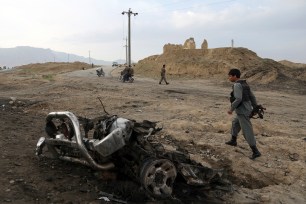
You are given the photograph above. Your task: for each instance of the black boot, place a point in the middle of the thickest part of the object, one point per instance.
(256, 153)
(232, 142)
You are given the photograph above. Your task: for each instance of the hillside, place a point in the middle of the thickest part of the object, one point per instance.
(53, 68)
(292, 64)
(215, 63)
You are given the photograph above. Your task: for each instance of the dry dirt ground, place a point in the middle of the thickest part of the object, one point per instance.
(194, 112)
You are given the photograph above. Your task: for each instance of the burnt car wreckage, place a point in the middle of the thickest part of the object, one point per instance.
(126, 145)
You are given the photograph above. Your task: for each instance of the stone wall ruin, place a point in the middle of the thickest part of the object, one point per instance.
(189, 45)
(204, 45)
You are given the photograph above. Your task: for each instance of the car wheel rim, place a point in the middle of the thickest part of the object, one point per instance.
(158, 176)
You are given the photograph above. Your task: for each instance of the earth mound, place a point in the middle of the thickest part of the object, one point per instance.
(52, 67)
(215, 64)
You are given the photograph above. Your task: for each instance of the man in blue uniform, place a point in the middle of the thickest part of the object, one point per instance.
(242, 102)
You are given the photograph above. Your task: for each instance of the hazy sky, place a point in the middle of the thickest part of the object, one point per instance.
(273, 29)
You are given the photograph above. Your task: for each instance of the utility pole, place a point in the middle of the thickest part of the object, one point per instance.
(232, 43)
(126, 51)
(129, 13)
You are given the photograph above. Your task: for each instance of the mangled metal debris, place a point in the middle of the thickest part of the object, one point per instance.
(109, 197)
(126, 145)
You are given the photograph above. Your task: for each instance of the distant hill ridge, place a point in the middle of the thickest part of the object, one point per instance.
(22, 55)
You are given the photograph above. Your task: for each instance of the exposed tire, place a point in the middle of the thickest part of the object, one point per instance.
(157, 177)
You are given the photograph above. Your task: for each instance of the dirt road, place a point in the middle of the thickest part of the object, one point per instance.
(191, 111)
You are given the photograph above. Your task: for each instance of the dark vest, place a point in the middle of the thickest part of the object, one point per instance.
(245, 92)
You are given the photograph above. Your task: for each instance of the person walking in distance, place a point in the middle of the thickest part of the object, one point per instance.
(163, 75)
(242, 102)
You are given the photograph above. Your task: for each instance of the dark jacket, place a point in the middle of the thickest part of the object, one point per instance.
(244, 98)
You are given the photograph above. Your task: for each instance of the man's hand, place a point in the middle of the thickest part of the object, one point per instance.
(230, 112)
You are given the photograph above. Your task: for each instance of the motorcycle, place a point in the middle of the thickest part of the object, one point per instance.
(110, 141)
(130, 78)
(100, 72)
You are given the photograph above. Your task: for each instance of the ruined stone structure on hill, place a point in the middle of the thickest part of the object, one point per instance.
(189, 44)
(171, 47)
(204, 44)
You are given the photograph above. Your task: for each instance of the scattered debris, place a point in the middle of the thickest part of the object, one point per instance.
(129, 146)
(109, 197)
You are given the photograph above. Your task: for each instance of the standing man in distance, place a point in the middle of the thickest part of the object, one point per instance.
(163, 75)
(242, 102)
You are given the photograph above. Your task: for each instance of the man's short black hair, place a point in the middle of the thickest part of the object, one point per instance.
(234, 72)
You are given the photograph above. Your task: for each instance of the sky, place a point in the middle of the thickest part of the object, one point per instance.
(274, 29)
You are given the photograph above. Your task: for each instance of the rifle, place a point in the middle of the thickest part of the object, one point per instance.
(258, 110)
